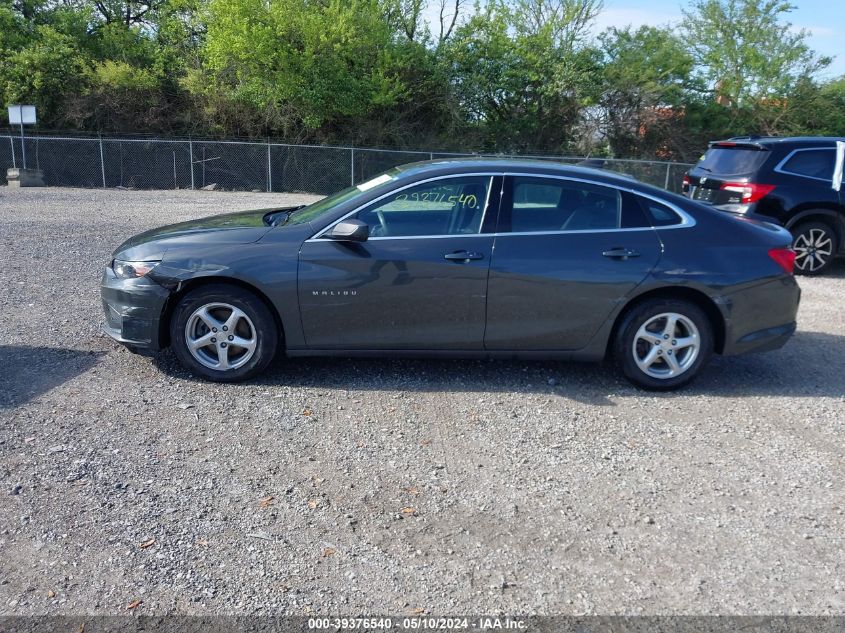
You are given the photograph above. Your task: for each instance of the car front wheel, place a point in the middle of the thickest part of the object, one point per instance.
(815, 247)
(223, 333)
(662, 344)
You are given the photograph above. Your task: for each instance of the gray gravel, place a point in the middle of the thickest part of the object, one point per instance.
(332, 486)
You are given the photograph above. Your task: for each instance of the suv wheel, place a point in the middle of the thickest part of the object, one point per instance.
(223, 333)
(815, 247)
(663, 343)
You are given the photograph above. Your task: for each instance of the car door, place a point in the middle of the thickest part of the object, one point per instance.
(566, 253)
(805, 180)
(418, 283)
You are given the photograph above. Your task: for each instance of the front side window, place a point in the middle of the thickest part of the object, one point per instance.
(816, 163)
(545, 204)
(449, 206)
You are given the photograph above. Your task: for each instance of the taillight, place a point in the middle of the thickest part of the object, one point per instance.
(785, 258)
(685, 183)
(748, 191)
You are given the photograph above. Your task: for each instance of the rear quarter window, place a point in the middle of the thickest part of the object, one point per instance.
(659, 214)
(811, 163)
(732, 161)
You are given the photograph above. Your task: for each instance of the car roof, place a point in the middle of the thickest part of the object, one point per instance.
(446, 166)
(777, 141)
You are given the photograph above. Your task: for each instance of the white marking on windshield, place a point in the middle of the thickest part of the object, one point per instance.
(375, 182)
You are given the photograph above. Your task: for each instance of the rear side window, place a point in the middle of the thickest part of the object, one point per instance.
(812, 163)
(547, 204)
(732, 161)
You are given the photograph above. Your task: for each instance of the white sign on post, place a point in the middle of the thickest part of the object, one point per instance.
(22, 115)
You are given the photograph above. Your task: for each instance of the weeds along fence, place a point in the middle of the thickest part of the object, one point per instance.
(161, 163)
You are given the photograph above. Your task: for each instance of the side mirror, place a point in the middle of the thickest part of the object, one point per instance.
(350, 231)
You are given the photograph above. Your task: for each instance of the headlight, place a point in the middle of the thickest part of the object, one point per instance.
(131, 270)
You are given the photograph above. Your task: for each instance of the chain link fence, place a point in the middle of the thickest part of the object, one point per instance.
(153, 163)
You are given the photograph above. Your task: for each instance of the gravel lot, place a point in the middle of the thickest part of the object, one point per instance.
(334, 486)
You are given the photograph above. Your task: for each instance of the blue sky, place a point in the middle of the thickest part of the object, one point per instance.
(825, 21)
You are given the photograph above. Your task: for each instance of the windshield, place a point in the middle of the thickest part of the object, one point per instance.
(731, 161)
(313, 211)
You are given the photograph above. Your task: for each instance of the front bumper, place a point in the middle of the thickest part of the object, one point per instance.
(763, 317)
(133, 310)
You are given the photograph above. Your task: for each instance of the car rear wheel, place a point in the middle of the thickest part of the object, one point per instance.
(223, 333)
(662, 344)
(815, 246)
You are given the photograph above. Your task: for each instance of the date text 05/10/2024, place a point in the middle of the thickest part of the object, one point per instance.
(420, 623)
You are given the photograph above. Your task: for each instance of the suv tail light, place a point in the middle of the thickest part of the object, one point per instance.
(748, 191)
(685, 184)
(784, 257)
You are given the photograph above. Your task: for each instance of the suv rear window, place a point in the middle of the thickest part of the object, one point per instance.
(814, 163)
(731, 161)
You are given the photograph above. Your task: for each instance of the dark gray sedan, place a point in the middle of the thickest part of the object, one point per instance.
(461, 258)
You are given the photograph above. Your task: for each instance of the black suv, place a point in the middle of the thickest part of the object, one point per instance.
(789, 180)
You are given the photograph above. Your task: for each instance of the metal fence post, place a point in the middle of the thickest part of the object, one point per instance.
(269, 170)
(352, 167)
(191, 152)
(12, 145)
(666, 184)
(102, 162)
(23, 147)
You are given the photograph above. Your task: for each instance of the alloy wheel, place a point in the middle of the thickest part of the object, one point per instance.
(220, 336)
(666, 345)
(813, 249)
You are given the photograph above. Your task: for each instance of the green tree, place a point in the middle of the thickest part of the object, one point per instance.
(751, 65)
(46, 72)
(645, 76)
(300, 63)
(746, 51)
(14, 29)
(818, 108)
(523, 72)
(496, 75)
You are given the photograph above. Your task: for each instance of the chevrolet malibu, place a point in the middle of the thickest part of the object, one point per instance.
(463, 258)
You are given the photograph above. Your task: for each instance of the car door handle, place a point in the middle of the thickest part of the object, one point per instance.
(620, 253)
(463, 256)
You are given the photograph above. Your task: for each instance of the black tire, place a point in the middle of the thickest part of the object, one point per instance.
(259, 324)
(648, 312)
(816, 246)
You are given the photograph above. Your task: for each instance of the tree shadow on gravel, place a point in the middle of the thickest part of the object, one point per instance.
(811, 364)
(28, 372)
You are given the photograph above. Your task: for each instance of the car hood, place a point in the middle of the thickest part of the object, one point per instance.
(234, 228)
